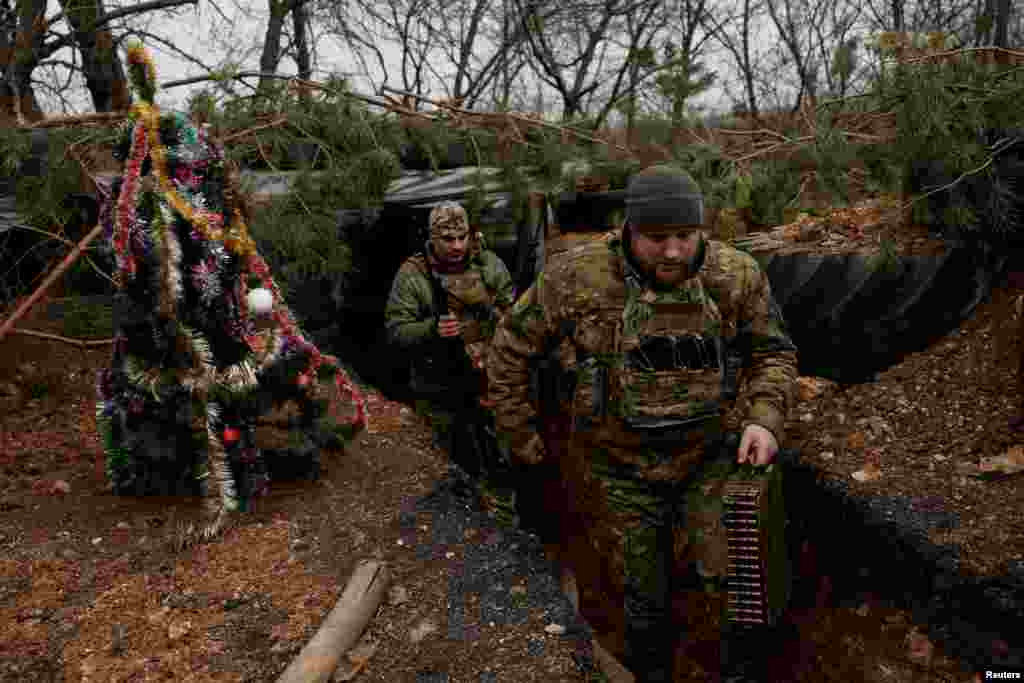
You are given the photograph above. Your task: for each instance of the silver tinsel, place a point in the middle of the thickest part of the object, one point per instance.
(206, 278)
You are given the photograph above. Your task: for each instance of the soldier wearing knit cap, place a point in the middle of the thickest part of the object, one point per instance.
(442, 310)
(649, 328)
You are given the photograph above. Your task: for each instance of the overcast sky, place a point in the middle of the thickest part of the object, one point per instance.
(222, 33)
(331, 57)
(205, 32)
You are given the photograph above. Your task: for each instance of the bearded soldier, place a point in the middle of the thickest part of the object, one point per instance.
(442, 310)
(651, 326)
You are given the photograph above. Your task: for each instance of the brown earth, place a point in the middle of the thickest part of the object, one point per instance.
(92, 588)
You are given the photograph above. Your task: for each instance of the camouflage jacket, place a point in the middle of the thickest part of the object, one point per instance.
(477, 296)
(729, 301)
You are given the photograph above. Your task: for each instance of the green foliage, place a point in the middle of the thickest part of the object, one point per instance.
(887, 258)
(333, 127)
(40, 198)
(14, 146)
(773, 185)
(744, 191)
(883, 171)
(844, 63)
(653, 129)
(299, 234)
(681, 81)
(476, 202)
(716, 175)
(832, 156)
(944, 112)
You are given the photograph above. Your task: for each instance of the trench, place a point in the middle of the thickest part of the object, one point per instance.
(859, 545)
(879, 546)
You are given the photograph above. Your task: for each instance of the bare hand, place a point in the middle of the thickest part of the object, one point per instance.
(757, 446)
(448, 326)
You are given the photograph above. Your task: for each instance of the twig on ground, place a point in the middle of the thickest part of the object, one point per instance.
(80, 343)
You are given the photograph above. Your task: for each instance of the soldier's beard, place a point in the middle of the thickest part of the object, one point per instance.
(672, 273)
(664, 274)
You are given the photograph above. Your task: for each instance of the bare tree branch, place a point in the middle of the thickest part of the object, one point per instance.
(66, 40)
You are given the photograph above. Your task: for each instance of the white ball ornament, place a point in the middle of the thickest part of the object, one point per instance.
(260, 301)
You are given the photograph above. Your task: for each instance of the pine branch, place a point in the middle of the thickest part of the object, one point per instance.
(565, 130)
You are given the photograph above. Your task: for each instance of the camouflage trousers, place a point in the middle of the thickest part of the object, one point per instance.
(645, 540)
(467, 434)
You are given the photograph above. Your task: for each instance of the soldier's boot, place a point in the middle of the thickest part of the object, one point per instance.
(500, 479)
(745, 653)
(650, 650)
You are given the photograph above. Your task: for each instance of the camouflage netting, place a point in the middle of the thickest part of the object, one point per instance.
(193, 364)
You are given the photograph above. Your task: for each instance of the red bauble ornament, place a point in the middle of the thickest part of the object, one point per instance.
(231, 435)
(302, 380)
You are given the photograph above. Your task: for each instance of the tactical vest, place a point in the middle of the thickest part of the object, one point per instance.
(471, 299)
(652, 362)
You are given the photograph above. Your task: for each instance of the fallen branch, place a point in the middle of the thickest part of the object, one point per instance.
(947, 54)
(954, 183)
(509, 116)
(80, 343)
(78, 119)
(26, 306)
(249, 131)
(342, 628)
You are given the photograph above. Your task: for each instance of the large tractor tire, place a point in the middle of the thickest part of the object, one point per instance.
(853, 315)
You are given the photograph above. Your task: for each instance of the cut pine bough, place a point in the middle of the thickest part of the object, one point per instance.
(345, 623)
(853, 315)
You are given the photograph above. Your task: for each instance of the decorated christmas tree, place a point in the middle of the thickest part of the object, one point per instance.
(204, 343)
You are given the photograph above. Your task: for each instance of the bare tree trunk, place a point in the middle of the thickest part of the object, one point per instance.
(634, 74)
(16, 93)
(8, 34)
(748, 66)
(271, 55)
(101, 66)
(300, 34)
(1002, 24)
(300, 24)
(506, 73)
(897, 15)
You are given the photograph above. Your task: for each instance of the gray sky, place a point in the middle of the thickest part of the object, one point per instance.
(197, 24)
(204, 32)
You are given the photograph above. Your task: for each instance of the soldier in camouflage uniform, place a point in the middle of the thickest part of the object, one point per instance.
(443, 309)
(652, 325)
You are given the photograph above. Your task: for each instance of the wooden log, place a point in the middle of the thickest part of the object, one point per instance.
(343, 627)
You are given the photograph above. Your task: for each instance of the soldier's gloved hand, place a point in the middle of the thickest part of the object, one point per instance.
(448, 326)
(757, 446)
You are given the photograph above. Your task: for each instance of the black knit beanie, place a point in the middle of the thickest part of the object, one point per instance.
(663, 195)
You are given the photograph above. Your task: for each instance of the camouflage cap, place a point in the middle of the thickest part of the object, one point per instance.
(448, 219)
